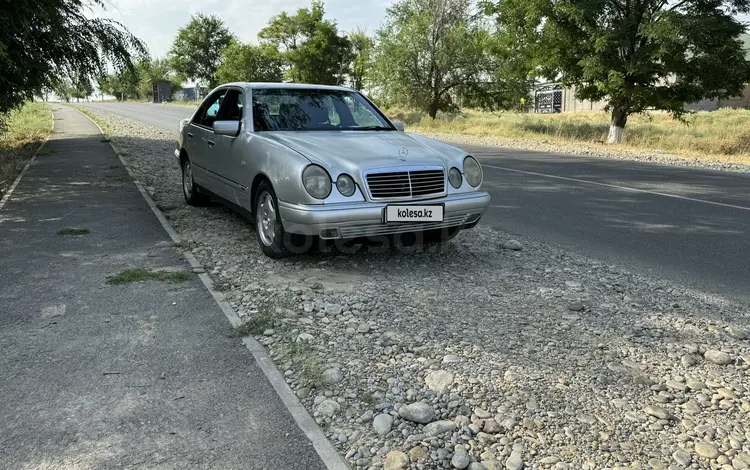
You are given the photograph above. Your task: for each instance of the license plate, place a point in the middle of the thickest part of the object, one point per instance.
(401, 213)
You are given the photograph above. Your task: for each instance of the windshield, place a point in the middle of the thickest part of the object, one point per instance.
(279, 109)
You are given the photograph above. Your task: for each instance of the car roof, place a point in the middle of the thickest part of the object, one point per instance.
(298, 86)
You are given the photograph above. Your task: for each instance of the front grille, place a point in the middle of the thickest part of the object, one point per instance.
(406, 184)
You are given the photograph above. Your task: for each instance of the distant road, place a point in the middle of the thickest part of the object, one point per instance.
(685, 224)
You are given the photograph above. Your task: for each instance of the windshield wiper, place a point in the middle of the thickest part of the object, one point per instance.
(369, 128)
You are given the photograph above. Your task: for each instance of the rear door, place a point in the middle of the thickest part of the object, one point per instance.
(201, 140)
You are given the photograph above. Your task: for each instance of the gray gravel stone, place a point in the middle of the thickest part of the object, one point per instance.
(681, 457)
(332, 376)
(717, 357)
(461, 460)
(419, 412)
(382, 424)
(439, 380)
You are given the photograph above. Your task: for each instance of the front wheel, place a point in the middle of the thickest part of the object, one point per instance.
(189, 189)
(273, 240)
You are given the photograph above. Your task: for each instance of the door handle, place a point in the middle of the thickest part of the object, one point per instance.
(210, 143)
(190, 135)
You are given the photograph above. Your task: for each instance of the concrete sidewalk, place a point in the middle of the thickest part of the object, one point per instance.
(138, 375)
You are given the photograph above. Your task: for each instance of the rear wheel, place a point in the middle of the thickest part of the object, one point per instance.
(273, 240)
(189, 189)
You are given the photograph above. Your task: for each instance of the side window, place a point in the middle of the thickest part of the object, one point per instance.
(232, 109)
(208, 112)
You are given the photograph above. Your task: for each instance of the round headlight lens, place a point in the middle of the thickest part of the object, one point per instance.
(317, 182)
(472, 171)
(345, 185)
(454, 177)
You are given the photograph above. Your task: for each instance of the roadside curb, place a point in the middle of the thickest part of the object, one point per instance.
(12, 188)
(323, 447)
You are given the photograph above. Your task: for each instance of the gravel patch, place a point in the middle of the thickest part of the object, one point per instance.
(482, 353)
(602, 151)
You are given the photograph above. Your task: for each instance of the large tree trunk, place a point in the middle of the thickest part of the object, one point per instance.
(433, 110)
(617, 125)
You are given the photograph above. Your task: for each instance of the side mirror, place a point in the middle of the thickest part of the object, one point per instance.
(230, 128)
(399, 125)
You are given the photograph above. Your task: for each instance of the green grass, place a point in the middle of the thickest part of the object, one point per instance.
(722, 135)
(303, 356)
(72, 231)
(102, 124)
(256, 325)
(129, 276)
(26, 128)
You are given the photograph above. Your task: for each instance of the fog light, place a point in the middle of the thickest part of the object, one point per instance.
(328, 233)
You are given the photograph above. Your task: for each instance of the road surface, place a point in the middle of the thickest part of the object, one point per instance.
(688, 225)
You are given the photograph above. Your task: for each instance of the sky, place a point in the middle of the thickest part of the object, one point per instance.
(157, 21)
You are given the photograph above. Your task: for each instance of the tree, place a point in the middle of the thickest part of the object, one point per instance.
(249, 63)
(310, 46)
(426, 50)
(63, 89)
(362, 47)
(81, 87)
(44, 41)
(197, 50)
(635, 54)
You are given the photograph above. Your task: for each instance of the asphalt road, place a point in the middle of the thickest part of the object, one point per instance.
(685, 224)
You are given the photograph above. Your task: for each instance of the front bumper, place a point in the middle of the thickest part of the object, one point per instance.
(366, 219)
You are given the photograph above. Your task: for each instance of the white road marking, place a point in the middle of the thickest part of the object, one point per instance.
(625, 188)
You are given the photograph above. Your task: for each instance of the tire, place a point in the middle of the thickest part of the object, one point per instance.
(440, 235)
(273, 240)
(190, 190)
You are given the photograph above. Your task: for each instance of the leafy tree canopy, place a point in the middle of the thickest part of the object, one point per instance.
(44, 41)
(197, 50)
(250, 63)
(310, 46)
(362, 51)
(428, 49)
(634, 54)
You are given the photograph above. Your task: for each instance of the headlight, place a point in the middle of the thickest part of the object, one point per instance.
(316, 181)
(345, 185)
(454, 177)
(472, 171)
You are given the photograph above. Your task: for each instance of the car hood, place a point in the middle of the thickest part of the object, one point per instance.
(353, 151)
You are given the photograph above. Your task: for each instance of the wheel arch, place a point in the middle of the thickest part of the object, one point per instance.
(259, 178)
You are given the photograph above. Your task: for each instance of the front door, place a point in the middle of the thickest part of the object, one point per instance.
(202, 141)
(228, 154)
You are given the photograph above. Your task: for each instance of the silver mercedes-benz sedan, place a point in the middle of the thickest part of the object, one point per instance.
(323, 162)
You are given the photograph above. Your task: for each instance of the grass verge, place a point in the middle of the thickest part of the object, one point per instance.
(304, 358)
(129, 276)
(722, 135)
(94, 118)
(72, 231)
(26, 129)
